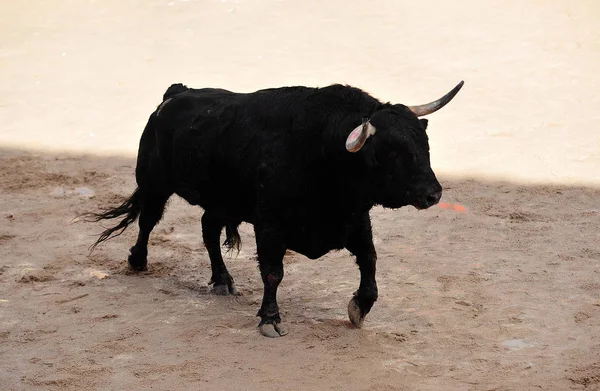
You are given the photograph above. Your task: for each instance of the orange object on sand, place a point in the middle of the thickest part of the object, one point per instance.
(456, 207)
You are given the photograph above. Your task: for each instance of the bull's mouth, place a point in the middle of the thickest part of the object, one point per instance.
(420, 206)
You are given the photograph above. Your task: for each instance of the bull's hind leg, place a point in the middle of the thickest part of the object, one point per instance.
(361, 245)
(152, 208)
(212, 227)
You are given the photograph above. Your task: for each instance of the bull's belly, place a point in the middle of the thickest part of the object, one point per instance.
(227, 204)
(312, 239)
(314, 242)
(311, 251)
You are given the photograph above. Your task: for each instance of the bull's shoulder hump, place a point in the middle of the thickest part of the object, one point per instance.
(209, 93)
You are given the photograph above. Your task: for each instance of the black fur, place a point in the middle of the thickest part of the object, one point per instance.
(174, 90)
(276, 158)
(233, 241)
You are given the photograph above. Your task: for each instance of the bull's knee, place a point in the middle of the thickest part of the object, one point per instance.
(274, 279)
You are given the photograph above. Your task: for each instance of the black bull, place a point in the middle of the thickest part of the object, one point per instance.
(303, 165)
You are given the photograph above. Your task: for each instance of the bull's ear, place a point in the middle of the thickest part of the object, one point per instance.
(359, 136)
(424, 122)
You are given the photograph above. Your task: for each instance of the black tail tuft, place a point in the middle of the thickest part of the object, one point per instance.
(233, 241)
(130, 208)
(174, 90)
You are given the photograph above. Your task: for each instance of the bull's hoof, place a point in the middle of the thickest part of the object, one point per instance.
(137, 260)
(272, 330)
(225, 290)
(223, 286)
(137, 267)
(354, 313)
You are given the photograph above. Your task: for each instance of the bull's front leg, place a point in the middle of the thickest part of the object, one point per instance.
(270, 250)
(360, 243)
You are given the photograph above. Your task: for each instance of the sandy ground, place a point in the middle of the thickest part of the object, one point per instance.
(501, 296)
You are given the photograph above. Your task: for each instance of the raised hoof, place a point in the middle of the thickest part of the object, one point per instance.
(225, 290)
(272, 330)
(354, 313)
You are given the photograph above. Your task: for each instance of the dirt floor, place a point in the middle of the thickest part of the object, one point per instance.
(502, 296)
(500, 293)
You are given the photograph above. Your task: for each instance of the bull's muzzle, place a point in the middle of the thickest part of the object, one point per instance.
(428, 199)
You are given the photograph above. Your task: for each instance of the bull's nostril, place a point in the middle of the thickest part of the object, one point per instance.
(434, 198)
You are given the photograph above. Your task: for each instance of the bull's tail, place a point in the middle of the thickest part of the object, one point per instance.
(130, 209)
(233, 241)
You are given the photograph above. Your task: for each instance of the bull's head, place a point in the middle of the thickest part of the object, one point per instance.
(399, 153)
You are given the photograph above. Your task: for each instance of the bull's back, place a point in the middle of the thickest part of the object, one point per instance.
(215, 142)
(222, 148)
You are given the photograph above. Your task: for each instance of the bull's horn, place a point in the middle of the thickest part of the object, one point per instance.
(434, 106)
